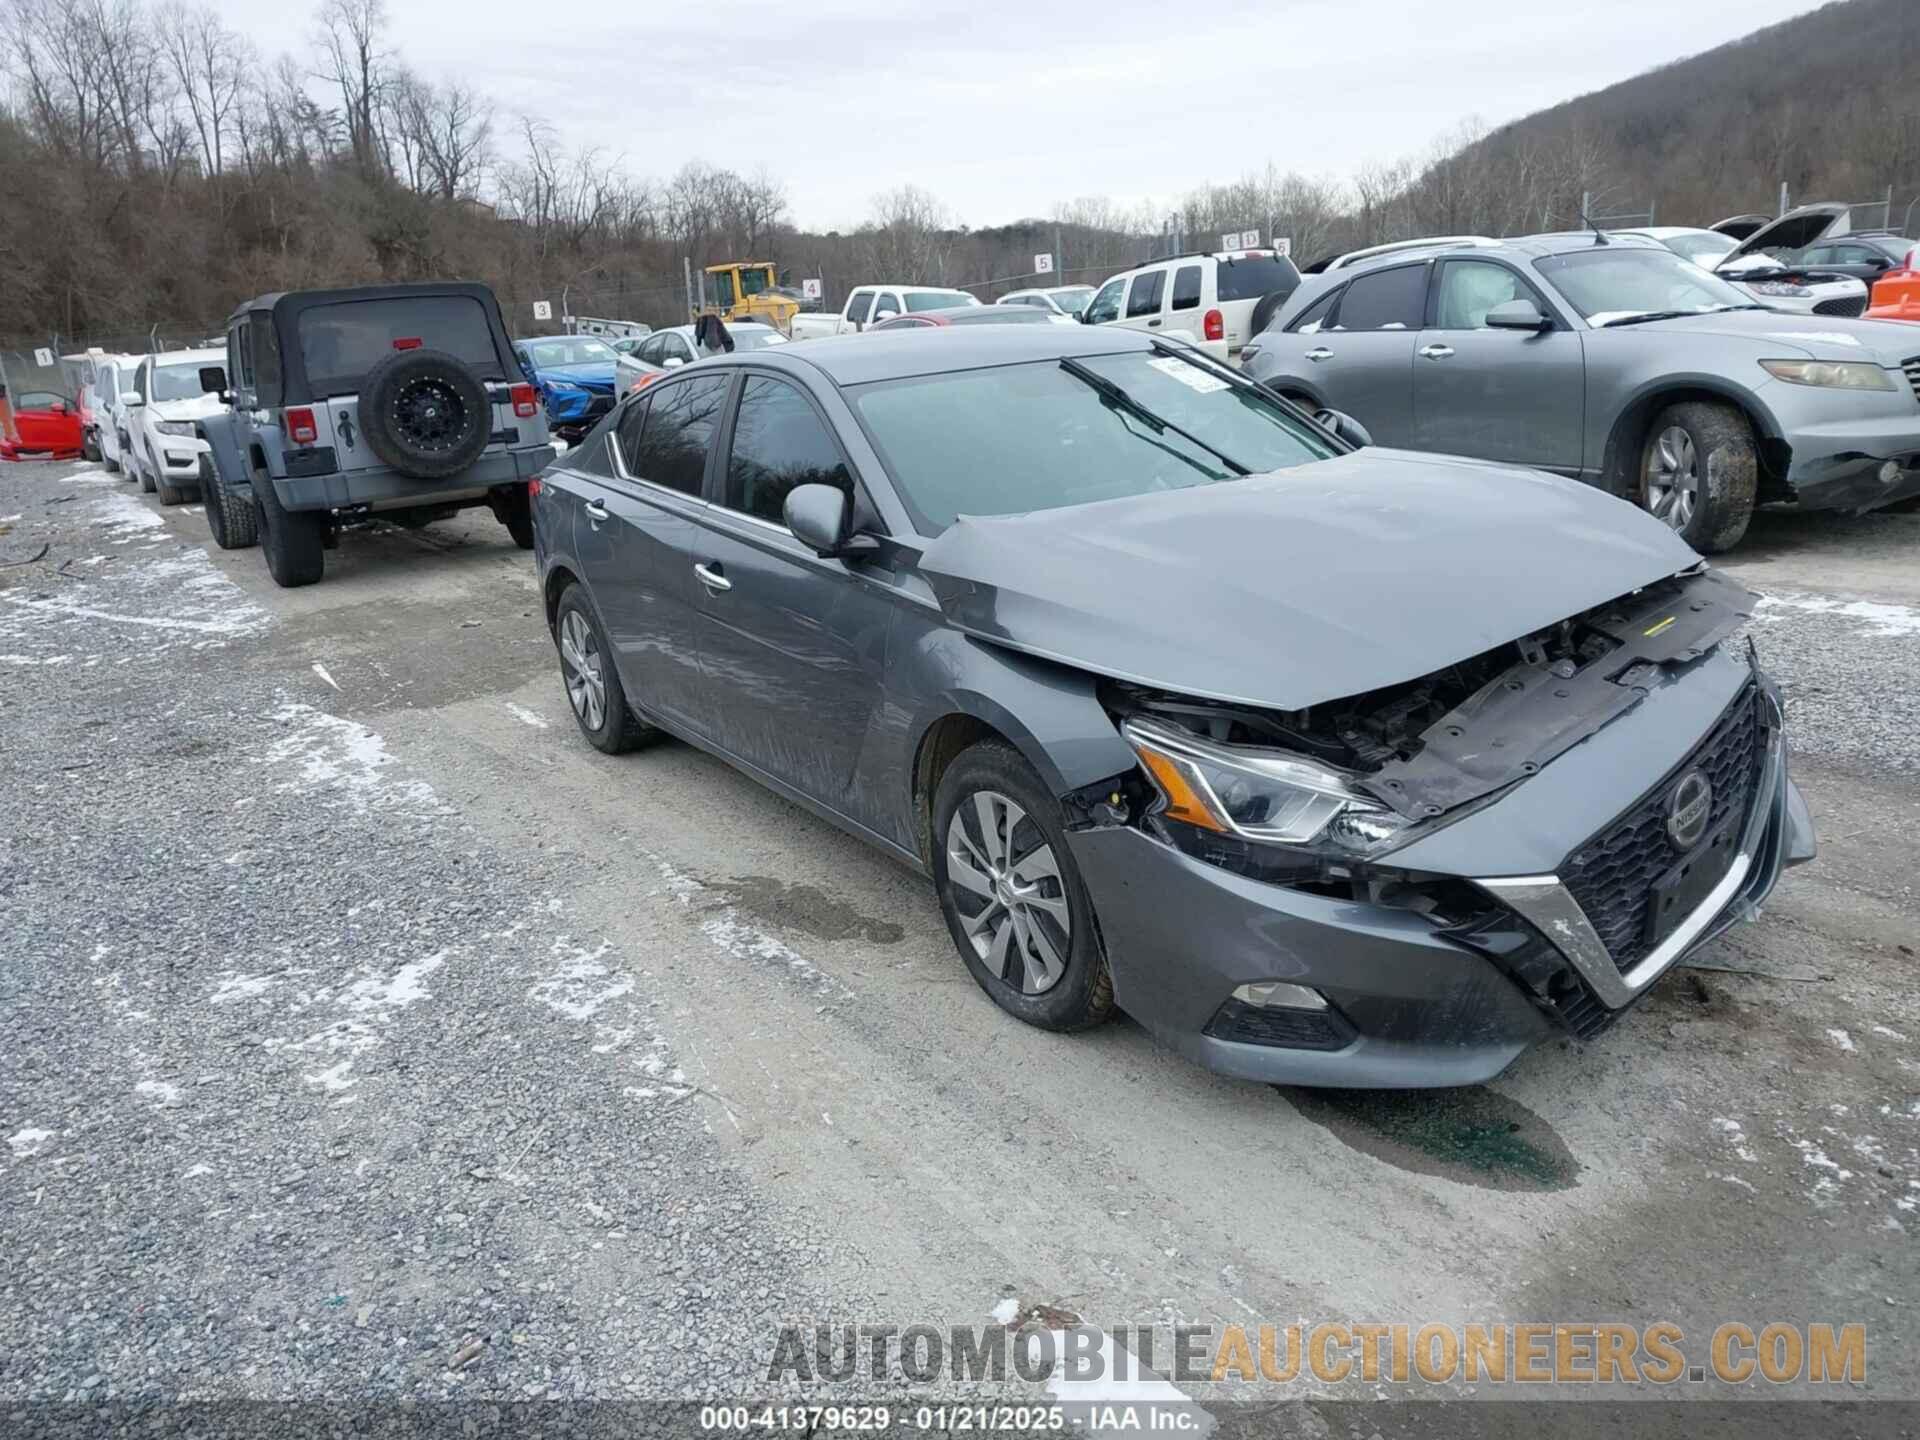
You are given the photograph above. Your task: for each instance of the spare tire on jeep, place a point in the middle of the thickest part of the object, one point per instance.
(425, 413)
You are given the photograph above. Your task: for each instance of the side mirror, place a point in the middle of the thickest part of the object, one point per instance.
(213, 380)
(1344, 427)
(1517, 315)
(817, 515)
(672, 362)
(131, 399)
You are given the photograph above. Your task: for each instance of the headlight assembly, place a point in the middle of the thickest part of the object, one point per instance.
(1829, 374)
(1258, 794)
(563, 387)
(175, 427)
(1779, 287)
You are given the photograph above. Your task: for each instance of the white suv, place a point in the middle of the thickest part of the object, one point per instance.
(1209, 299)
(163, 407)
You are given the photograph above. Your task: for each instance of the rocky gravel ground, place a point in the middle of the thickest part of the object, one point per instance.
(307, 1089)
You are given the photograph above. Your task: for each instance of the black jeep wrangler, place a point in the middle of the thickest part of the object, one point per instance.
(402, 403)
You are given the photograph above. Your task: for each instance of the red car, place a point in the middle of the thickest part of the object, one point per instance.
(39, 426)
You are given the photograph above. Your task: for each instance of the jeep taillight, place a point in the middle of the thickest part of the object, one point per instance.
(533, 487)
(1215, 325)
(524, 404)
(300, 427)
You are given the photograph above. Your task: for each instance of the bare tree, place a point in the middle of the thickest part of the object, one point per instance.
(350, 38)
(210, 64)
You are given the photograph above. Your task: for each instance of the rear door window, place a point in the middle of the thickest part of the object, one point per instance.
(672, 448)
(339, 343)
(1144, 297)
(1385, 300)
(1309, 320)
(1186, 288)
(779, 442)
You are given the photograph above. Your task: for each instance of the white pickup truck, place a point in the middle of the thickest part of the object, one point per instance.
(871, 303)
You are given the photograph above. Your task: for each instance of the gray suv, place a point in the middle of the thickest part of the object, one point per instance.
(398, 402)
(1612, 360)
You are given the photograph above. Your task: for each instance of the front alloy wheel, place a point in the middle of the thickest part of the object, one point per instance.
(1673, 478)
(1008, 891)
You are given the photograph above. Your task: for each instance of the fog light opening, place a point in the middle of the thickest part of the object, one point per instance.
(1889, 472)
(1280, 995)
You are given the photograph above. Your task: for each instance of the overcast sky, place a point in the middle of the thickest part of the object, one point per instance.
(1003, 107)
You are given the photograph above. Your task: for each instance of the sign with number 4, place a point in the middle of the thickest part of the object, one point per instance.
(812, 289)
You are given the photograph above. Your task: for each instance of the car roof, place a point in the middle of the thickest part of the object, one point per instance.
(529, 339)
(1664, 232)
(933, 350)
(181, 357)
(1521, 247)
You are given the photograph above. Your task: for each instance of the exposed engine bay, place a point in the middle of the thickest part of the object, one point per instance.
(1430, 744)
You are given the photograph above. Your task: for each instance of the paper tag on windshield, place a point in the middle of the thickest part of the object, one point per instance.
(1191, 376)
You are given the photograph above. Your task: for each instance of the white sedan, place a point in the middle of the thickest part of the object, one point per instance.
(666, 350)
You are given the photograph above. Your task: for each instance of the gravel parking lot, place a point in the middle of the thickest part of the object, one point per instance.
(362, 1031)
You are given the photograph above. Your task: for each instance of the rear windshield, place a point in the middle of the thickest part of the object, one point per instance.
(1035, 436)
(340, 343)
(1257, 275)
(939, 301)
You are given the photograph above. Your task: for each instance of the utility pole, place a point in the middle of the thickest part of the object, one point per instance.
(686, 265)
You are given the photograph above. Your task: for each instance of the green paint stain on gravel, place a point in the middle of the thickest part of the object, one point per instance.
(1470, 1135)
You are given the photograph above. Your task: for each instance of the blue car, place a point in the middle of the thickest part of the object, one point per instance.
(574, 374)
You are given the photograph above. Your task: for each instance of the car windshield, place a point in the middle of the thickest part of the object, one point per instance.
(1038, 436)
(571, 350)
(177, 382)
(1611, 285)
(1704, 248)
(939, 300)
(1073, 299)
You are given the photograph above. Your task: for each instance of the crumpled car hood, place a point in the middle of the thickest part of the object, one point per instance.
(1306, 585)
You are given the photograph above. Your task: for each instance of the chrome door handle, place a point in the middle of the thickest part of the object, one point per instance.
(1435, 352)
(597, 512)
(1317, 355)
(712, 579)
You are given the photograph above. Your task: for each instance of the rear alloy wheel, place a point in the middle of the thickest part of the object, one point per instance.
(1699, 473)
(594, 693)
(1012, 895)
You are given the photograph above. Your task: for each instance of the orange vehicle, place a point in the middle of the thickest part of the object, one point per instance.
(1896, 294)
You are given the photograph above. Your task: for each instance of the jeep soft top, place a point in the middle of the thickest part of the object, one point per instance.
(397, 402)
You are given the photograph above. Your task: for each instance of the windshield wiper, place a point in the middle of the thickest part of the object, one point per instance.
(1117, 397)
(1647, 315)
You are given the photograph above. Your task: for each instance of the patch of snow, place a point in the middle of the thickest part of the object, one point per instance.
(195, 1172)
(27, 1141)
(582, 985)
(241, 987)
(321, 671)
(1842, 1039)
(160, 1092)
(333, 1078)
(1895, 621)
(525, 716)
(1006, 1311)
(1736, 1137)
(396, 992)
(341, 757)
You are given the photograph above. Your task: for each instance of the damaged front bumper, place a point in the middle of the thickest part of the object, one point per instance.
(1417, 998)
(1863, 459)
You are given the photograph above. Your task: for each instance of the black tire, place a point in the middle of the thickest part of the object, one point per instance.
(294, 542)
(1081, 994)
(1725, 470)
(90, 448)
(234, 522)
(147, 486)
(111, 465)
(425, 413)
(617, 728)
(1264, 309)
(516, 513)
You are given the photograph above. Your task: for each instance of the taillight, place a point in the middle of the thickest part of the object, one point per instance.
(410, 343)
(1216, 325)
(533, 487)
(300, 427)
(524, 404)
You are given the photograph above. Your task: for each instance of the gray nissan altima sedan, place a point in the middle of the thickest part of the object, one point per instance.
(1328, 765)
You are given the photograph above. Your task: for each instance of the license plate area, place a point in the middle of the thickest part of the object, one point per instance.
(1678, 893)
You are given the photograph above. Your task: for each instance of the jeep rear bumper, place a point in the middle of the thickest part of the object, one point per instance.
(353, 488)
